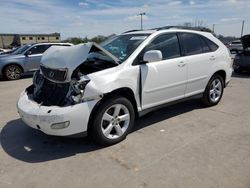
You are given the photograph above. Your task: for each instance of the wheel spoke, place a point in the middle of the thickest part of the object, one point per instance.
(117, 110)
(107, 117)
(124, 117)
(217, 85)
(108, 129)
(211, 91)
(213, 84)
(218, 92)
(118, 130)
(214, 96)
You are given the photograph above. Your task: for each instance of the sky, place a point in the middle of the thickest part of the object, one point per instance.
(80, 18)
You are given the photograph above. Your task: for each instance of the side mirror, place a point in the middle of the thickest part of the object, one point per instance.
(28, 53)
(152, 56)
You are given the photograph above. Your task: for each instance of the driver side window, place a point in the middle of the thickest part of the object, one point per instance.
(168, 45)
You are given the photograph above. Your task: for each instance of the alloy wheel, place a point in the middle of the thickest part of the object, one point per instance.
(215, 90)
(115, 121)
(13, 72)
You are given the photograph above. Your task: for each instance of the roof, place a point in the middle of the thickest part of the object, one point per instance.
(182, 28)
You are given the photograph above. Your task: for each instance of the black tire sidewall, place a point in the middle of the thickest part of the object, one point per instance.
(95, 129)
(206, 97)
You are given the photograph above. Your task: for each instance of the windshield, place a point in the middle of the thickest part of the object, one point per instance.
(21, 49)
(123, 46)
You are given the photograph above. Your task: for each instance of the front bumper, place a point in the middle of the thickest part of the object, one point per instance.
(42, 117)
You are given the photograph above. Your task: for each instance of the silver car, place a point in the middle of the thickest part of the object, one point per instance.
(25, 59)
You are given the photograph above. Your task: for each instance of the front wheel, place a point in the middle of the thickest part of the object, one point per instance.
(213, 91)
(112, 121)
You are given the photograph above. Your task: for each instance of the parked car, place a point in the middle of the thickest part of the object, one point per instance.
(9, 51)
(235, 46)
(99, 90)
(242, 59)
(25, 59)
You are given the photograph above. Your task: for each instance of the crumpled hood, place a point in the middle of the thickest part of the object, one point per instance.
(61, 57)
(245, 41)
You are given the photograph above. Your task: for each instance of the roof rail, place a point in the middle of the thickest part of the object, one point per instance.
(182, 27)
(131, 30)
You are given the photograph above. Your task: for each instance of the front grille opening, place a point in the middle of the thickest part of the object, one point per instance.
(49, 93)
(54, 74)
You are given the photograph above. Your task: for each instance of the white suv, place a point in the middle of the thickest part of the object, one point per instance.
(101, 89)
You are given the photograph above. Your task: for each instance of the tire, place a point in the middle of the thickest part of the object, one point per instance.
(112, 121)
(13, 72)
(214, 91)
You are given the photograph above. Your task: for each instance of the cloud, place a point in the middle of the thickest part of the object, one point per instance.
(229, 19)
(83, 4)
(106, 17)
(136, 18)
(174, 3)
(192, 2)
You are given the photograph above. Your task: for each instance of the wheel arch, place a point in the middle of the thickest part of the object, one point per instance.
(222, 73)
(123, 92)
(5, 66)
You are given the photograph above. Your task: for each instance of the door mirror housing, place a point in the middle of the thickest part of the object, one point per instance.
(28, 53)
(152, 56)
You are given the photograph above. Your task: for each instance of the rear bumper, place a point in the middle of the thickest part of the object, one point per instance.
(42, 117)
(228, 76)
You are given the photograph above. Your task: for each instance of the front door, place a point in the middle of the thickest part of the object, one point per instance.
(165, 80)
(34, 55)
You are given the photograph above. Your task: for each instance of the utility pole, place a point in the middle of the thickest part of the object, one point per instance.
(213, 27)
(242, 28)
(141, 14)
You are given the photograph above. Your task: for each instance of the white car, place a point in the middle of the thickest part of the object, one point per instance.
(99, 90)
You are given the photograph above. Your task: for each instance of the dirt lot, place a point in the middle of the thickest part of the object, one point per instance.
(185, 145)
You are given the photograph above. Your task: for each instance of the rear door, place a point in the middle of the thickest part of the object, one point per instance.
(199, 58)
(34, 55)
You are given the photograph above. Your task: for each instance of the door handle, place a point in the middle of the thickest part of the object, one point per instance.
(212, 58)
(181, 64)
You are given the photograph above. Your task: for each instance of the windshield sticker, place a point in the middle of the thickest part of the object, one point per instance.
(138, 38)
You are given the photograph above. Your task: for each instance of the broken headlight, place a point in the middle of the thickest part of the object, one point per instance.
(78, 88)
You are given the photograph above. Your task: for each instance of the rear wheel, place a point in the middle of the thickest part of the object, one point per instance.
(112, 121)
(13, 72)
(213, 91)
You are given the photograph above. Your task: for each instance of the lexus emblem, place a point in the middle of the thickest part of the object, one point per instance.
(51, 74)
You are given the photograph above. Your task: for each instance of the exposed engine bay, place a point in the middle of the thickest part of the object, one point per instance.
(50, 87)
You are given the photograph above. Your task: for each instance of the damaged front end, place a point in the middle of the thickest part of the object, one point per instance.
(48, 93)
(62, 78)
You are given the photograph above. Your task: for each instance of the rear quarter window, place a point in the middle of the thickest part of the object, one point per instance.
(213, 47)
